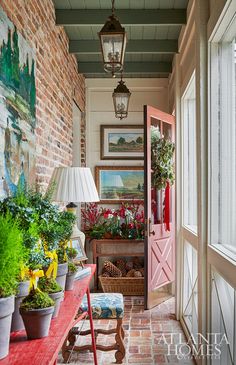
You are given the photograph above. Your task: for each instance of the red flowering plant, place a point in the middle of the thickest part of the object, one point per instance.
(126, 222)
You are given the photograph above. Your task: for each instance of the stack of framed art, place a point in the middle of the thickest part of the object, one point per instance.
(118, 184)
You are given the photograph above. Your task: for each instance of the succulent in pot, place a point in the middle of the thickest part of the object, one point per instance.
(53, 289)
(11, 258)
(70, 277)
(36, 310)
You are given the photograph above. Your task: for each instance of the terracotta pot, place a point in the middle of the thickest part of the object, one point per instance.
(61, 274)
(37, 321)
(107, 235)
(22, 290)
(57, 297)
(70, 278)
(6, 310)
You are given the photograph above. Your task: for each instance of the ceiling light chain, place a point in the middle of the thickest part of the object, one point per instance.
(113, 7)
(113, 42)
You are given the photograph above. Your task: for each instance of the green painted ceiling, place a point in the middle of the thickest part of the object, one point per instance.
(152, 26)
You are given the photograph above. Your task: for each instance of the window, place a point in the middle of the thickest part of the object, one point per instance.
(223, 142)
(223, 318)
(190, 289)
(189, 158)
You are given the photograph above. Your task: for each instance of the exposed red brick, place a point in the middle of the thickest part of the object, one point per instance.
(58, 83)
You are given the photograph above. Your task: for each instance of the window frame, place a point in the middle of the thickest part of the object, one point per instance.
(220, 52)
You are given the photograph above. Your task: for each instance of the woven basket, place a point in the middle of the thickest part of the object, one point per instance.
(125, 286)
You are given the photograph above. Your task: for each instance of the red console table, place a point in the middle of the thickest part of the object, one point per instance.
(45, 351)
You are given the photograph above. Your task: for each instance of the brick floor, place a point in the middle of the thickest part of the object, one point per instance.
(145, 334)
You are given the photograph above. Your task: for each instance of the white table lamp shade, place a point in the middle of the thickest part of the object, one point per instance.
(73, 184)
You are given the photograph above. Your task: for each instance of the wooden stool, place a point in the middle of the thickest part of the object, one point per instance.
(104, 306)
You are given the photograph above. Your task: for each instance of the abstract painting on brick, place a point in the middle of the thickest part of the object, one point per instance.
(17, 108)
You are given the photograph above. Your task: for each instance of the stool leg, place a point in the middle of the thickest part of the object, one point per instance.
(92, 328)
(122, 332)
(120, 353)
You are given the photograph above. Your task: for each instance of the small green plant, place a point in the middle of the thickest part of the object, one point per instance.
(72, 268)
(12, 255)
(39, 220)
(49, 285)
(36, 300)
(71, 253)
(61, 252)
(98, 231)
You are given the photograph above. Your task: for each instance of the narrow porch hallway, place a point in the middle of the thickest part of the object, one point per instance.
(145, 334)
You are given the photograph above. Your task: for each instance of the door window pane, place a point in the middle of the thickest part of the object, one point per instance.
(189, 158)
(164, 132)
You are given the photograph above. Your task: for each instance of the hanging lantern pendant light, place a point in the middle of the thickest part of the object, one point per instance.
(121, 96)
(113, 42)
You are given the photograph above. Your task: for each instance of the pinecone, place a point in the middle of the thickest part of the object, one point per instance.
(141, 271)
(111, 269)
(137, 263)
(106, 274)
(121, 264)
(137, 274)
(130, 273)
(129, 265)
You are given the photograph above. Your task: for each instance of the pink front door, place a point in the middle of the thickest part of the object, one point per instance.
(159, 241)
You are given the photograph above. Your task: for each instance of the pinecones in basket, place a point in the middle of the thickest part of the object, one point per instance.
(137, 274)
(106, 274)
(121, 264)
(137, 263)
(130, 273)
(129, 265)
(141, 271)
(111, 269)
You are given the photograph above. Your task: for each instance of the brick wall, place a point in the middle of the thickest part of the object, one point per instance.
(57, 83)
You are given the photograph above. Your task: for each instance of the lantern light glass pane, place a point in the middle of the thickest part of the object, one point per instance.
(112, 48)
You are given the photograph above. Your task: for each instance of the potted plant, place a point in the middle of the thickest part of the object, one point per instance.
(36, 310)
(65, 227)
(54, 290)
(11, 258)
(62, 264)
(21, 292)
(70, 277)
(126, 222)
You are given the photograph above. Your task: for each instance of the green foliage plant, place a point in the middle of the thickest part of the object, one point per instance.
(49, 285)
(12, 255)
(36, 300)
(72, 268)
(71, 253)
(62, 252)
(42, 223)
(162, 153)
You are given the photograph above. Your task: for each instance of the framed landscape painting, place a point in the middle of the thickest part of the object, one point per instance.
(121, 142)
(118, 184)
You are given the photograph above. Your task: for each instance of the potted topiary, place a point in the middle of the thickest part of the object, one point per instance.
(70, 277)
(65, 227)
(21, 292)
(11, 258)
(36, 310)
(54, 290)
(62, 264)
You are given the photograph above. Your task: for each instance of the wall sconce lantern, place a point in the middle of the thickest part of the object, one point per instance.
(121, 96)
(113, 42)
